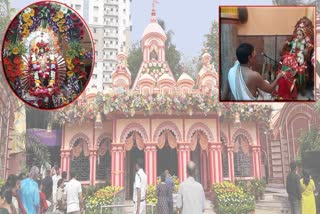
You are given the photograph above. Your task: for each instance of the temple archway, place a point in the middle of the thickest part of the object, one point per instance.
(103, 162)
(199, 148)
(167, 153)
(80, 159)
(242, 156)
(134, 146)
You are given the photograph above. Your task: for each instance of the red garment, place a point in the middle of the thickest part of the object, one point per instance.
(43, 203)
(285, 86)
(21, 208)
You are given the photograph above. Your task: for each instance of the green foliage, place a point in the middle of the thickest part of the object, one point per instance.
(38, 153)
(104, 196)
(134, 60)
(2, 182)
(232, 199)
(310, 141)
(212, 43)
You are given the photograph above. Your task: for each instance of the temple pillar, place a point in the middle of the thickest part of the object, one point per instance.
(93, 161)
(117, 165)
(256, 161)
(215, 163)
(230, 162)
(65, 161)
(151, 164)
(183, 159)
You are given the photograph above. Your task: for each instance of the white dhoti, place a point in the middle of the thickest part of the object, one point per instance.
(142, 209)
(237, 84)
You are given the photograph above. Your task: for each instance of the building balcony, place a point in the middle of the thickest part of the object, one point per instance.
(111, 13)
(111, 35)
(111, 2)
(108, 46)
(111, 24)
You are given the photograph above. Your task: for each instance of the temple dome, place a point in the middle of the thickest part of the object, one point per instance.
(185, 77)
(166, 77)
(154, 28)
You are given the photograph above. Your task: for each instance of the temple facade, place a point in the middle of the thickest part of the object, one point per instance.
(104, 150)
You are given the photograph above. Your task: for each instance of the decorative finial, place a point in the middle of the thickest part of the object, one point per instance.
(153, 12)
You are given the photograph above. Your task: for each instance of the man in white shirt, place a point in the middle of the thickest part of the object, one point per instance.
(191, 198)
(55, 178)
(73, 193)
(139, 189)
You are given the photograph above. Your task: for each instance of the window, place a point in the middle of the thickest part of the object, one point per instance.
(111, 9)
(78, 7)
(95, 19)
(124, 1)
(96, 8)
(124, 11)
(80, 161)
(111, 53)
(242, 157)
(94, 76)
(94, 30)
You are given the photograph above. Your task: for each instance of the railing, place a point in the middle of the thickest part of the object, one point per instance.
(117, 209)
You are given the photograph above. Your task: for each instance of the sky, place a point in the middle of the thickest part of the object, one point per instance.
(189, 20)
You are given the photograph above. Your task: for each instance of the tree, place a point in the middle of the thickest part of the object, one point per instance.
(310, 141)
(4, 17)
(173, 56)
(212, 43)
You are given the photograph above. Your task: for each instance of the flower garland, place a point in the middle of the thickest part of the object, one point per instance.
(60, 22)
(157, 103)
(249, 112)
(156, 69)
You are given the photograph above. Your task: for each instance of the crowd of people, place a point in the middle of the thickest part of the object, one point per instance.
(34, 194)
(301, 191)
(190, 197)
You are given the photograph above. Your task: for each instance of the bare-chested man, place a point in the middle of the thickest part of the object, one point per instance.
(243, 83)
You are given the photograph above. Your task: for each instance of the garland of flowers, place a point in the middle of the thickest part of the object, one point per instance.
(51, 17)
(157, 103)
(156, 69)
(249, 112)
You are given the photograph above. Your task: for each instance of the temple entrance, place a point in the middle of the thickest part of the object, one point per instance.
(130, 160)
(199, 145)
(199, 156)
(167, 153)
(167, 159)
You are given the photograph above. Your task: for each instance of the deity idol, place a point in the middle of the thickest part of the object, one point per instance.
(296, 61)
(45, 73)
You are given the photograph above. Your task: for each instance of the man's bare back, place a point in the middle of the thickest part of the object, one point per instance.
(254, 81)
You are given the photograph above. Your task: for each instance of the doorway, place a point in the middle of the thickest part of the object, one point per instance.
(167, 160)
(131, 157)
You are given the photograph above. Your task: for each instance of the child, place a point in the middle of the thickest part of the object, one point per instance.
(43, 201)
(60, 200)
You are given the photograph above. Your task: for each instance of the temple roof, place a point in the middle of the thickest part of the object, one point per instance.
(166, 76)
(154, 28)
(147, 76)
(185, 76)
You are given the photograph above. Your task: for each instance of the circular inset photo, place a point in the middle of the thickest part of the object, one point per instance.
(47, 55)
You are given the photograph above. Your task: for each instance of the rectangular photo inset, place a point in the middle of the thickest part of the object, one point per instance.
(267, 53)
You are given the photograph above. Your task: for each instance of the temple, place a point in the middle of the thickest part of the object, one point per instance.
(105, 149)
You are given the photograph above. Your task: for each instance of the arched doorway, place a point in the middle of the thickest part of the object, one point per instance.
(134, 151)
(80, 161)
(103, 163)
(199, 147)
(167, 153)
(242, 157)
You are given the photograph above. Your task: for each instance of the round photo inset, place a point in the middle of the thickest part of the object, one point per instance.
(47, 55)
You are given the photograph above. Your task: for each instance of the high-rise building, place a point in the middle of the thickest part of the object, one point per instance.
(110, 25)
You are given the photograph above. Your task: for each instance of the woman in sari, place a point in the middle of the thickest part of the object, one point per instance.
(308, 203)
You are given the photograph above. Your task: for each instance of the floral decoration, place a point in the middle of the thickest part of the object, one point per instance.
(104, 196)
(231, 199)
(37, 34)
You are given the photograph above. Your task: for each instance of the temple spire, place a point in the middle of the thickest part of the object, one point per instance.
(153, 12)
